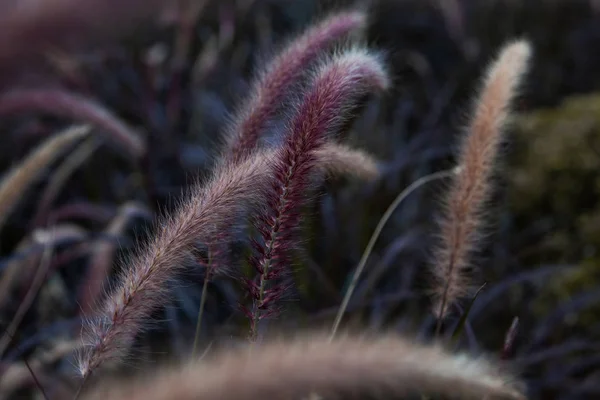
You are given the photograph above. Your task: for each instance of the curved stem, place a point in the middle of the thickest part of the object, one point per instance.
(81, 386)
(386, 216)
(200, 315)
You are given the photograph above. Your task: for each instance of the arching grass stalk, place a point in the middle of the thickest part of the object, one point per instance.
(386, 216)
(336, 88)
(201, 306)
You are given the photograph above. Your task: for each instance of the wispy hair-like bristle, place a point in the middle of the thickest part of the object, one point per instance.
(470, 189)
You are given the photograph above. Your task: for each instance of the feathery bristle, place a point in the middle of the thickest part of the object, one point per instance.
(336, 87)
(465, 204)
(102, 256)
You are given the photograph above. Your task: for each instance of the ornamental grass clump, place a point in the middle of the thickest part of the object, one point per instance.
(313, 87)
(249, 183)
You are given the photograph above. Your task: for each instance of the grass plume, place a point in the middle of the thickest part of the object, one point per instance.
(17, 181)
(345, 367)
(340, 159)
(281, 74)
(142, 287)
(82, 153)
(470, 189)
(69, 105)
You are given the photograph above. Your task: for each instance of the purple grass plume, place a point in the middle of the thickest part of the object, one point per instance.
(280, 75)
(143, 286)
(335, 88)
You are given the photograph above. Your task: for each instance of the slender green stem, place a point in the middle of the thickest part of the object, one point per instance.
(81, 386)
(386, 216)
(440, 320)
(200, 315)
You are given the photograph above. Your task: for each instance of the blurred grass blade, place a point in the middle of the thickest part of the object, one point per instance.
(463, 319)
(509, 339)
(22, 176)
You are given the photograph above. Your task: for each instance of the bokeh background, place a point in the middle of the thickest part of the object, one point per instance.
(175, 71)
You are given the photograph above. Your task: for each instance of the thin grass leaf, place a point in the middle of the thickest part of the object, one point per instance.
(465, 316)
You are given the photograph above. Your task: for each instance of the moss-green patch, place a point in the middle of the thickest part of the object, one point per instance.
(554, 177)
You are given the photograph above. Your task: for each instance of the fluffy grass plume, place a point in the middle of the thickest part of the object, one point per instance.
(102, 257)
(340, 159)
(206, 212)
(281, 74)
(466, 200)
(337, 159)
(63, 172)
(69, 105)
(348, 366)
(332, 94)
(17, 181)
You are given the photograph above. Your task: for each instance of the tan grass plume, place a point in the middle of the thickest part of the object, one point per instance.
(17, 181)
(348, 366)
(208, 211)
(470, 189)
